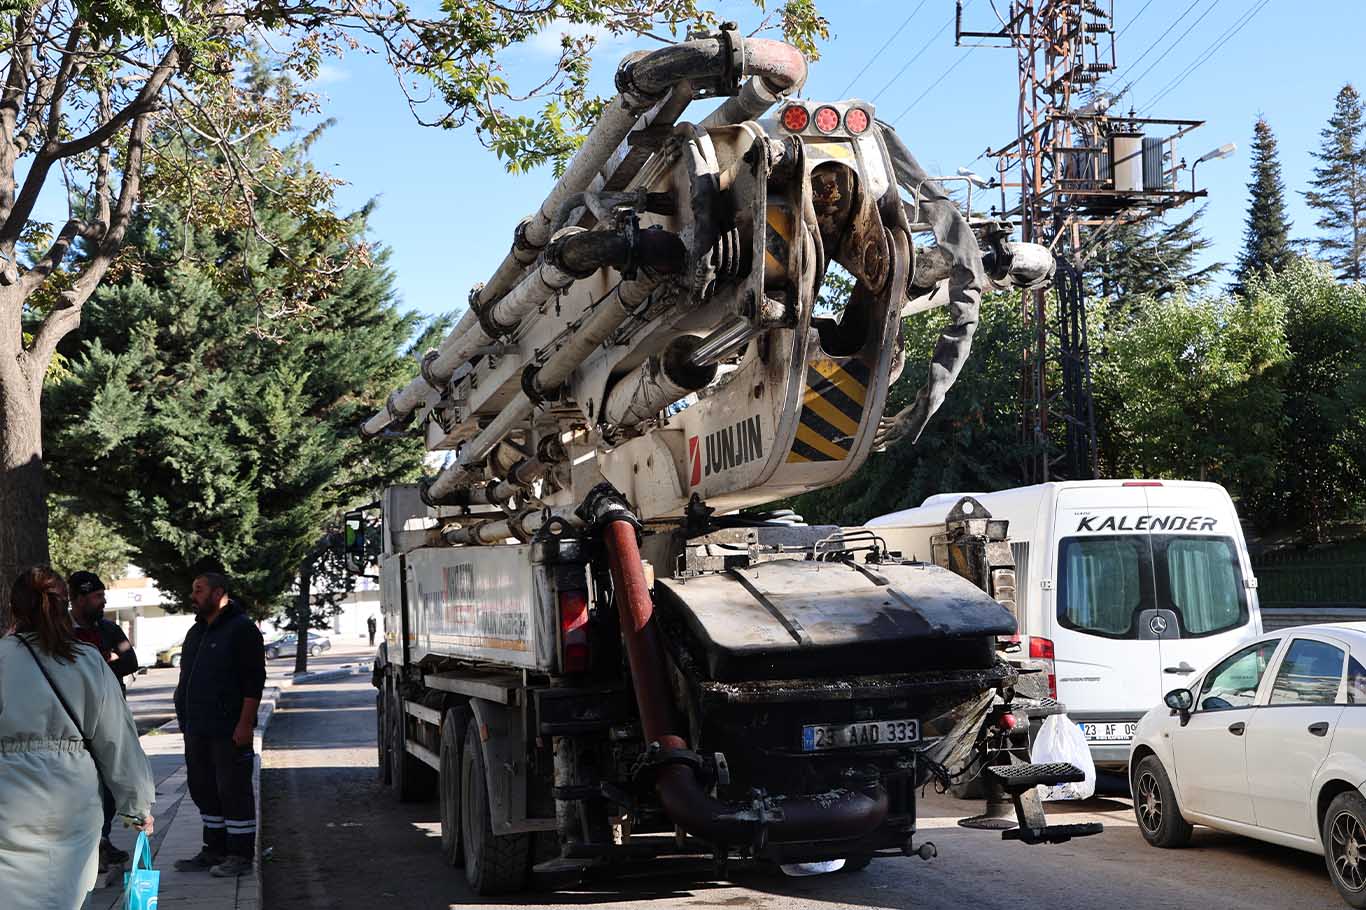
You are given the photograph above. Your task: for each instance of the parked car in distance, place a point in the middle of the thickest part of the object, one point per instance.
(1270, 743)
(288, 643)
(170, 657)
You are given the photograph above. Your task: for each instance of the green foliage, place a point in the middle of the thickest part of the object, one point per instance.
(198, 420)
(1323, 473)
(1191, 388)
(1266, 240)
(1340, 186)
(80, 540)
(971, 444)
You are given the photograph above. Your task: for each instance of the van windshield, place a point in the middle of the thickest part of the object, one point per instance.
(1104, 583)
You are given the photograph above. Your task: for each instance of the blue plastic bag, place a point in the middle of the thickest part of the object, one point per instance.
(140, 886)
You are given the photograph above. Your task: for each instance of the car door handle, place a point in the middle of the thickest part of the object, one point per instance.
(1181, 669)
(1237, 729)
(1319, 729)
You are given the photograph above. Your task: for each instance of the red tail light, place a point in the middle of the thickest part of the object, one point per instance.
(573, 631)
(795, 118)
(856, 121)
(827, 119)
(1042, 649)
(1142, 483)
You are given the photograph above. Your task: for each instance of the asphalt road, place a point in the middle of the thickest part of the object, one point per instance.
(339, 841)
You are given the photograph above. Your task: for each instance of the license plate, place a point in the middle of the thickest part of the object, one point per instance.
(1103, 733)
(819, 737)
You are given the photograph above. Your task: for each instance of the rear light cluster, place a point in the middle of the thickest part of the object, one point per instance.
(827, 119)
(574, 631)
(1041, 649)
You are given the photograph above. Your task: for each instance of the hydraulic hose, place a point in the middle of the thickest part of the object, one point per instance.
(840, 814)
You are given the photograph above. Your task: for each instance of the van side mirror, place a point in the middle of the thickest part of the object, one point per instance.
(1181, 701)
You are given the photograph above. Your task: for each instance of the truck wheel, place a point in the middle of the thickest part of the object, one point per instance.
(448, 785)
(1159, 817)
(856, 863)
(494, 864)
(411, 779)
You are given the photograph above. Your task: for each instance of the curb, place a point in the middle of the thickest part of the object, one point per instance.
(362, 668)
(270, 698)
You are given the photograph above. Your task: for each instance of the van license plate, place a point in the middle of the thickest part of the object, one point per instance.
(1103, 733)
(819, 737)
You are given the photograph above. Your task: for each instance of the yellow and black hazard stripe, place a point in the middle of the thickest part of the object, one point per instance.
(832, 409)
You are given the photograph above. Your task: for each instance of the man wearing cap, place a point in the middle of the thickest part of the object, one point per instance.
(87, 615)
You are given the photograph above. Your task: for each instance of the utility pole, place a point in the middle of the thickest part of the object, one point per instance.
(1079, 170)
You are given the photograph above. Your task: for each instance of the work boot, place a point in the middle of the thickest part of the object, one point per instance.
(111, 855)
(231, 867)
(203, 861)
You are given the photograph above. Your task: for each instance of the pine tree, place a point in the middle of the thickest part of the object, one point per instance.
(198, 426)
(1340, 187)
(1266, 240)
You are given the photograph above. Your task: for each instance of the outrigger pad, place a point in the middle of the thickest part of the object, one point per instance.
(1019, 778)
(1052, 834)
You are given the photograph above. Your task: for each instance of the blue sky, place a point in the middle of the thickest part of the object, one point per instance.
(446, 207)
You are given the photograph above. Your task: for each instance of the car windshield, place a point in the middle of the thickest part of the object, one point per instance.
(1104, 583)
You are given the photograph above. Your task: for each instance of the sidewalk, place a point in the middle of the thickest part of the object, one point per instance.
(179, 828)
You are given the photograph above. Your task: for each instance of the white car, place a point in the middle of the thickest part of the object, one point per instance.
(1268, 743)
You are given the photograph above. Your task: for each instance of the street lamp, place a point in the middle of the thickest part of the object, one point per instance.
(1223, 151)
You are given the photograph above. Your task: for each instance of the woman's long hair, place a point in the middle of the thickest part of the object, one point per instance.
(39, 603)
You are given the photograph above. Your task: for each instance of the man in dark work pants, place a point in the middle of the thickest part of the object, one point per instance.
(222, 673)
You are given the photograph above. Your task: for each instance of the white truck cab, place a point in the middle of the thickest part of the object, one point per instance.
(1124, 589)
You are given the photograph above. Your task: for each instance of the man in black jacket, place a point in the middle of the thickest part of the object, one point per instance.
(87, 616)
(222, 673)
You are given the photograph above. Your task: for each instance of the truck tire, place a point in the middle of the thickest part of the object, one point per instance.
(409, 776)
(381, 736)
(494, 864)
(448, 785)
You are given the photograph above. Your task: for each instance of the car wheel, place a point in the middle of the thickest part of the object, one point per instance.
(1159, 817)
(313, 651)
(1344, 846)
(272, 654)
(175, 660)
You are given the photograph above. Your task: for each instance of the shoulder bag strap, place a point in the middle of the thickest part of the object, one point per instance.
(65, 707)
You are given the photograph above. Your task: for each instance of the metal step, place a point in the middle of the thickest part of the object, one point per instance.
(1019, 778)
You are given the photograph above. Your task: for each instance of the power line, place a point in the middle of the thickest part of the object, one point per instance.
(929, 88)
(1128, 24)
(888, 43)
(1209, 53)
(916, 56)
(1160, 38)
(1171, 47)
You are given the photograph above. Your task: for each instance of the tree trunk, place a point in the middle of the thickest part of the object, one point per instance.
(302, 614)
(23, 494)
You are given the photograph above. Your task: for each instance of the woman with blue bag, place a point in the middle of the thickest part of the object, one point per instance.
(64, 726)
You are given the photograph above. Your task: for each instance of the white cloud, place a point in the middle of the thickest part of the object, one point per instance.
(546, 42)
(330, 74)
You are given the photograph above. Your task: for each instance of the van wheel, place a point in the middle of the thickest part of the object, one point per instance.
(494, 864)
(381, 739)
(448, 785)
(1344, 846)
(411, 779)
(1159, 817)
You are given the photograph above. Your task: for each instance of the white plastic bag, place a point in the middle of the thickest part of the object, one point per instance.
(1060, 740)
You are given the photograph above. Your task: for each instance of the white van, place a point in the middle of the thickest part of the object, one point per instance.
(1123, 589)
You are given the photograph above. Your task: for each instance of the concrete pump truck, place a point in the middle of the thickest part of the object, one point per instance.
(591, 653)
